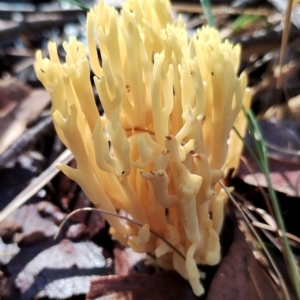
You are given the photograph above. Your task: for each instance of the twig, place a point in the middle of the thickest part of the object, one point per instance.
(117, 216)
(35, 185)
(26, 139)
(284, 40)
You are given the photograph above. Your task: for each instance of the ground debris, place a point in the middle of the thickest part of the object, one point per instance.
(283, 144)
(57, 270)
(167, 285)
(15, 122)
(240, 276)
(34, 227)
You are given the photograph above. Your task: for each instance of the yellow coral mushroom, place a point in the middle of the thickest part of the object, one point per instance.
(159, 149)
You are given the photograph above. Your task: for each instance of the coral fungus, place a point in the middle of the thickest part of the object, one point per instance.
(159, 150)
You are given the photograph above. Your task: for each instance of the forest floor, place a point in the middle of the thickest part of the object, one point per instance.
(33, 265)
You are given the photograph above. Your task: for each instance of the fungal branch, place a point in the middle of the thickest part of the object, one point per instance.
(161, 146)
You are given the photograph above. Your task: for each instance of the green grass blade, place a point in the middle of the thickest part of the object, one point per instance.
(243, 21)
(255, 137)
(293, 272)
(79, 4)
(208, 13)
(248, 148)
(262, 160)
(258, 135)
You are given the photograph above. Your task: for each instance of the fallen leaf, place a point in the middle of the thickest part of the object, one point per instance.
(77, 231)
(7, 252)
(50, 210)
(240, 276)
(166, 285)
(12, 92)
(282, 138)
(285, 177)
(127, 261)
(34, 227)
(15, 123)
(57, 271)
(8, 228)
(7, 290)
(283, 141)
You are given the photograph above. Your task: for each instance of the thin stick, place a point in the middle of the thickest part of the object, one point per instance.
(117, 216)
(284, 40)
(35, 185)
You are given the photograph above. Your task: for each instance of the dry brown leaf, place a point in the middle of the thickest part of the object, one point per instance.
(127, 261)
(283, 144)
(162, 285)
(12, 92)
(285, 177)
(14, 123)
(240, 276)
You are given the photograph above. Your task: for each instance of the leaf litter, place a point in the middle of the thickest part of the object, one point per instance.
(42, 268)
